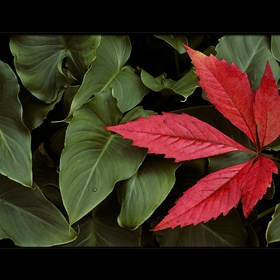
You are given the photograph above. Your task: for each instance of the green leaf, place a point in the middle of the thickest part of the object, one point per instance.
(44, 168)
(34, 110)
(175, 41)
(47, 64)
(29, 219)
(250, 53)
(275, 46)
(104, 232)
(93, 158)
(109, 71)
(141, 194)
(273, 228)
(275, 145)
(15, 138)
(225, 231)
(229, 159)
(136, 113)
(185, 86)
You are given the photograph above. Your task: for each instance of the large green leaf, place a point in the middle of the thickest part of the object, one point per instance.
(250, 53)
(273, 229)
(225, 231)
(93, 158)
(15, 138)
(29, 219)
(141, 194)
(109, 70)
(185, 86)
(47, 64)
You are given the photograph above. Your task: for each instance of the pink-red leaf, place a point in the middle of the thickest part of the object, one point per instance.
(212, 195)
(179, 136)
(266, 109)
(220, 191)
(183, 137)
(227, 88)
(256, 183)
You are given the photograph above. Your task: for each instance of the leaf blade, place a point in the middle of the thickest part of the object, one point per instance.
(15, 138)
(256, 183)
(201, 203)
(93, 159)
(266, 108)
(178, 136)
(29, 219)
(228, 89)
(138, 200)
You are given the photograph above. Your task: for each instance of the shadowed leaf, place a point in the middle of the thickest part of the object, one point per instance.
(94, 159)
(47, 64)
(29, 219)
(15, 138)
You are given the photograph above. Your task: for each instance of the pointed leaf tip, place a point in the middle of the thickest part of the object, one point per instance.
(256, 183)
(179, 136)
(215, 194)
(266, 108)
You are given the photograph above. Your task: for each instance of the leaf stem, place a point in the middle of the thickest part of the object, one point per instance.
(266, 212)
(271, 157)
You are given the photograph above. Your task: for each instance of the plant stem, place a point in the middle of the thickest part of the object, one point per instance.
(266, 212)
(271, 157)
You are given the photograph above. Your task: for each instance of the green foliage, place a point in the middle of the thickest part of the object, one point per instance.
(66, 181)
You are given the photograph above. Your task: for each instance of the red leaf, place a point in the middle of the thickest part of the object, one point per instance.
(212, 195)
(256, 183)
(183, 137)
(178, 136)
(227, 88)
(220, 191)
(266, 109)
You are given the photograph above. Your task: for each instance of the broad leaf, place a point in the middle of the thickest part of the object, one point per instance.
(250, 53)
(93, 159)
(29, 219)
(44, 168)
(135, 113)
(275, 46)
(47, 64)
(35, 111)
(178, 136)
(185, 86)
(109, 70)
(104, 232)
(141, 194)
(273, 228)
(225, 231)
(15, 138)
(175, 41)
